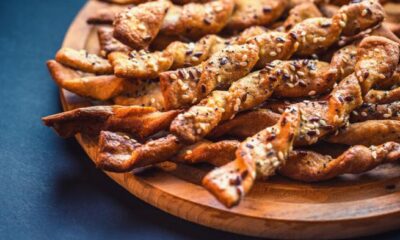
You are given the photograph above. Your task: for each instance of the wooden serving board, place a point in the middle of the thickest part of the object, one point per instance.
(348, 206)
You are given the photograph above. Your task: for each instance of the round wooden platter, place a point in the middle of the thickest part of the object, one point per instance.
(348, 206)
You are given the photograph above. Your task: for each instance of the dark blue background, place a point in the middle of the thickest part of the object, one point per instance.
(49, 188)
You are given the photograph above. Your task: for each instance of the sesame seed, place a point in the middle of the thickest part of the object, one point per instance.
(311, 93)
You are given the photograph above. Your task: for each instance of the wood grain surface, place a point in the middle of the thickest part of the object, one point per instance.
(349, 206)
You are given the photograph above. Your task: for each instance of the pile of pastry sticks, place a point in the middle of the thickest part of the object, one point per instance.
(250, 87)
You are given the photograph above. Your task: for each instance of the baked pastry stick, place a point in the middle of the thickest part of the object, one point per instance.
(371, 111)
(299, 13)
(219, 99)
(305, 38)
(303, 123)
(139, 25)
(261, 118)
(116, 150)
(139, 121)
(84, 61)
(145, 64)
(383, 96)
(295, 78)
(239, 126)
(309, 166)
(249, 13)
(371, 132)
(97, 87)
(181, 87)
(122, 91)
(145, 93)
(140, 64)
(194, 20)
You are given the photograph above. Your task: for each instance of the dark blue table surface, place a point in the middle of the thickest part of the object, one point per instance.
(49, 188)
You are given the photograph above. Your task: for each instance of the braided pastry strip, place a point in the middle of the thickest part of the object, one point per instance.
(370, 111)
(139, 121)
(116, 150)
(97, 87)
(371, 132)
(249, 13)
(138, 26)
(383, 96)
(322, 107)
(122, 91)
(84, 61)
(192, 20)
(305, 38)
(263, 153)
(219, 71)
(238, 127)
(145, 64)
(309, 166)
(296, 78)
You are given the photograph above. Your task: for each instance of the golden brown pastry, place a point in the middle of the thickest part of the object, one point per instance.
(249, 13)
(194, 20)
(140, 64)
(96, 87)
(309, 166)
(303, 123)
(139, 121)
(83, 61)
(371, 111)
(371, 132)
(139, 25)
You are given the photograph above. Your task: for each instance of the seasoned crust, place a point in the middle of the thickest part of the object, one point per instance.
(194, 20)
(371, 111)
(230, 182)
(179, 87)
(226, 66)
(140, 64)
(139, 121)
(145, 93)
(84, 61)
(249, 13)
(139, 25)
(192, 54)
